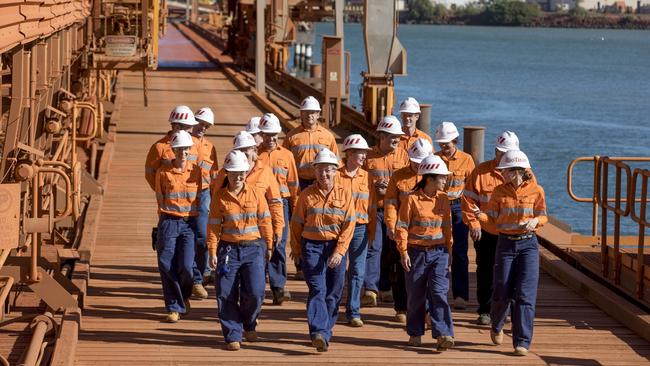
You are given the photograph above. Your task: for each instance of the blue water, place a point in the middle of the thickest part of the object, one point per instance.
(565, 92)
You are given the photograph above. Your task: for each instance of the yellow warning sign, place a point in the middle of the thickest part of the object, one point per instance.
(9, 215)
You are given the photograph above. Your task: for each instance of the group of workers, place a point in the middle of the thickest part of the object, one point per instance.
(394, 217)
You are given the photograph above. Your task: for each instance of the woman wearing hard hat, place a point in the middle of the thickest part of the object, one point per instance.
(259, 176)
(354, 179)
(321, 228)
(286, 174)
(207, 161)
(409, 111)
(518, 209)
(424, 240)
(160, 153)
(399, 187)
(253, 128)
(383, 160)
(239, 236)
(461, 166)
(177, 187)
(307, 139)
(478, 190)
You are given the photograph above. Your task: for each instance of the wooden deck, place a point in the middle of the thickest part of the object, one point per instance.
(122, 322)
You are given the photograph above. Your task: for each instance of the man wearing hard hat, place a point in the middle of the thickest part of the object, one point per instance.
(409, 111)
(253, 127)
(461, 166)
(307, 139)
(383, 160)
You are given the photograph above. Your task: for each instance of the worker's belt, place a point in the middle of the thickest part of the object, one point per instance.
(244, 243)
(519, 237)
(455, 202)
(426, 248)
(173, 217)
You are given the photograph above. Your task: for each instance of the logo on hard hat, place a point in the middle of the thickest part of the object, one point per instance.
(386, 124)
(502, 140)
(516, 160)
(431, 166)
(200, 112)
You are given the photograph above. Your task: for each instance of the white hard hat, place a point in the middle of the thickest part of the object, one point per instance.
(409, 105)
(243, 140)
(270, 123)
(326, 156)
(390, 124)
(355, 142)
(507, 141)
(181, 139)
(310, 104)
(205, 115)
(253, 125)
(433, 164)
(446, 132)
(236, 161)
(420, 149)
(182, 114)
(514, 159)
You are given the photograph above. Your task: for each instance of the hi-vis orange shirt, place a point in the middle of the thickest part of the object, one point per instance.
(461, 165)
(399, 188)
(283, 165)
(305, 144)
(235, 218)
(405, 142)
(358, 187)
(381, 166)
(510, 209)
(261, 178)
(177, 190)
(161, 153)
(208, 161)
(320, 217)
(424, 221)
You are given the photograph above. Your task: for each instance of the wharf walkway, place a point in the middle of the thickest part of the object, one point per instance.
(122, 322)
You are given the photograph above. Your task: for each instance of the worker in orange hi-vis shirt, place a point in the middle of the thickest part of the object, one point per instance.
(161, 153)
(253, 127)
(424, 241)
(517, 208)
(409, 111)
(383, 160)
(401, 184)
(478, 190)
(177, 187)
(321, 228)
(307, 139)
(461, 166)
(240, 237)
(208, 162)
(260, 176)
(284, 168)
(356, 181)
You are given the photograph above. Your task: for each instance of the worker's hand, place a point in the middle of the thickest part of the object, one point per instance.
(269, 253)
(213, 262)
(334, 260)
(406, 262)
(276, 240)
(391, 234)
(532, 224)
(475, 234)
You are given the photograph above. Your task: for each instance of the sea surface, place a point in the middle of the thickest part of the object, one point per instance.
(567, 93)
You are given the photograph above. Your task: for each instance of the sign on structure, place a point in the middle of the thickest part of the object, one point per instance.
(120, 46)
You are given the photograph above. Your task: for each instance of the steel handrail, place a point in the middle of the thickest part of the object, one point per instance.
(643, 223)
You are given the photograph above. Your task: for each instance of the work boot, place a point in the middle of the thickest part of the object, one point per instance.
(386, 296)
(356, 322)
(459, 303)
(497, 337)
(415, 341)
(188, 307)
(199, 291)
(483, 319)
(369, 299)
(208, 279)
(445, 342)
(250, 336)
(400, 317)
(172, 317)
(233, 346)
(319, 343)
(521, 351)
(280, 295)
